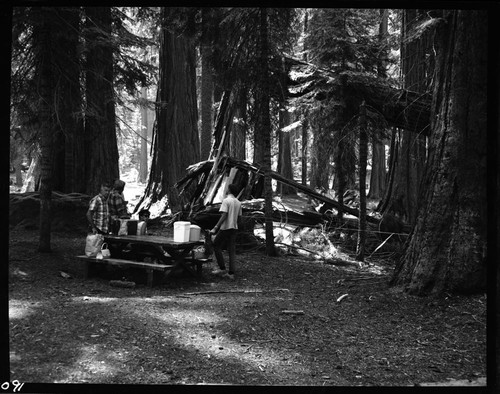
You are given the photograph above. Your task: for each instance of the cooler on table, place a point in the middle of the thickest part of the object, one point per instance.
(181, 231)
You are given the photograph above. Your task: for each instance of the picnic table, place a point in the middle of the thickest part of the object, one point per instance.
(162, 254)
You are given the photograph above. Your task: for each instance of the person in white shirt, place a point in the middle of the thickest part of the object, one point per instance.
(225, 231)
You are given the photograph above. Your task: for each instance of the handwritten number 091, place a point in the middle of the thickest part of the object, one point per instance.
(15, 383)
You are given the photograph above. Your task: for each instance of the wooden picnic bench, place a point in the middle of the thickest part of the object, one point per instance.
(122, 263)
(178, 255)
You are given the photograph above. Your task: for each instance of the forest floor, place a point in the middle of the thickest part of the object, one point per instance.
(282, 321)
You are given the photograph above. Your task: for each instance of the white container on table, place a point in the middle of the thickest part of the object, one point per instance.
(141, 228)
(181, 231)
(194, 232)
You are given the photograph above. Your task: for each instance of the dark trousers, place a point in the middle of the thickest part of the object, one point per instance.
(227, 237)
(97, 231)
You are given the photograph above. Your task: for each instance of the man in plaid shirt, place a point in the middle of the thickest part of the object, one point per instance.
(98, 212)
(117, 203)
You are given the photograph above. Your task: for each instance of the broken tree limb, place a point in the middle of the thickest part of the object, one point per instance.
(382, 244)
(298, 248)
(290, 312)
(362, 279)
(331, 260)
(245, 291)
(342, 297)
(221, 292)
(342, 263)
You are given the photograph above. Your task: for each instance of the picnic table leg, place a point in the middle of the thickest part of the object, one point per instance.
(180, 262)
(150, 276)
(199, 270)
(86, 269)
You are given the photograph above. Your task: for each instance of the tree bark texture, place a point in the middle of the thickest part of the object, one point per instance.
(17, 149)
(412, 150)
(238, 135)
(378, 173)
(207, 90)
(285, 154)
(44, 47)
(222, 127)
(100, 122)
(32, 181)
(389, 179)
(340, 174)
(447, 249)
(340, 152)
(320, 158)
(69, 176)
(363, 158)
(264, 129)
(304, 153)
(143, 161)
(305, 119)
(176, 140)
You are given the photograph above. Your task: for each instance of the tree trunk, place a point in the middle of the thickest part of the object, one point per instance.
(207, 89)
(303, 158)
(238, 135)
(44, 46)
(340, 149)
(389, 179)
(19, 174)
(285, 157)
(100, 124)
(407, 177)
(320, 158)
(305, 120)
(176, 143)
(68, 155)
(339, 174)
(412, 151)
(264, 130)
(16, 158)
(143, 161)
(447, 248)
(378, 173)
(32, 181)
(46, 144)
(363, 157)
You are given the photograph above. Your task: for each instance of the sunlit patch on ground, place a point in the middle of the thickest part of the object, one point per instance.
(200, 331)
(93, 361)
(21, 309)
